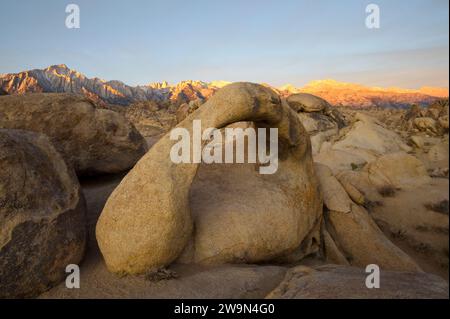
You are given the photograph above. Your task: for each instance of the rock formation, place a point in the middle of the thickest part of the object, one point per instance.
(147, 223)
(304, 102)
(432, 120)
(93, 140)
(342, 282)
(187, 108)
(362, 142)
(319, 118)
(150, 118)
(353, 233)
(398, 170)
(376, 193)
(42, 215)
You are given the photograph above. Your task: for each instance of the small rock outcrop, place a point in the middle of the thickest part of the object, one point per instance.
(320, 119)
(42, 215)
(185, 109)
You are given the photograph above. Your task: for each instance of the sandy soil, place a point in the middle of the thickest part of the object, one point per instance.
(419, 231)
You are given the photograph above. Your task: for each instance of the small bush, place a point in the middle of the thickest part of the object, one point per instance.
(399, 234)
(422, 248)
(432, 229)
(387, 191)
(371, 205)
(439, 207)
(161, 274)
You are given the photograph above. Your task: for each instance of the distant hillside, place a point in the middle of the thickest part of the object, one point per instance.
(358, 96)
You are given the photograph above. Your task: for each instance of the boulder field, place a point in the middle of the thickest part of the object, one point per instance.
(348, 191)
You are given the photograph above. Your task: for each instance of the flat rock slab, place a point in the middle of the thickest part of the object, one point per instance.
(343, 282)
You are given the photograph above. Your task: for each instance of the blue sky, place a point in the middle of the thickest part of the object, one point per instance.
(276, 42)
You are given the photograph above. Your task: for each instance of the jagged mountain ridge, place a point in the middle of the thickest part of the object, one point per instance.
(60, 78)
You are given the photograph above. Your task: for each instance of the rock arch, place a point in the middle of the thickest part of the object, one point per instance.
(147, 223)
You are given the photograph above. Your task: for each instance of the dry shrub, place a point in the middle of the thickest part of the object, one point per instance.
(439, 207)
(387, 191)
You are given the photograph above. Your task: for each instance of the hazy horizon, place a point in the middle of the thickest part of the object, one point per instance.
(265, 41)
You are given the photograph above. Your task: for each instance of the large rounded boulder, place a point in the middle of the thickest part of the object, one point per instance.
(241, 216)
(42, 215)
(93, 140)
(319, 118)
(306, 102)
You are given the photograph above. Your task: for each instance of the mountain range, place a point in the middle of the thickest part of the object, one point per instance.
(60, 78)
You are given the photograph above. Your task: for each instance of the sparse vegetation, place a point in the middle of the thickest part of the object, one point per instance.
(356, 167)
(439, 207)
(371, 205)
(422, 248)
(387, 191)
(432, 229)
(399, 234)
(161, 274)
